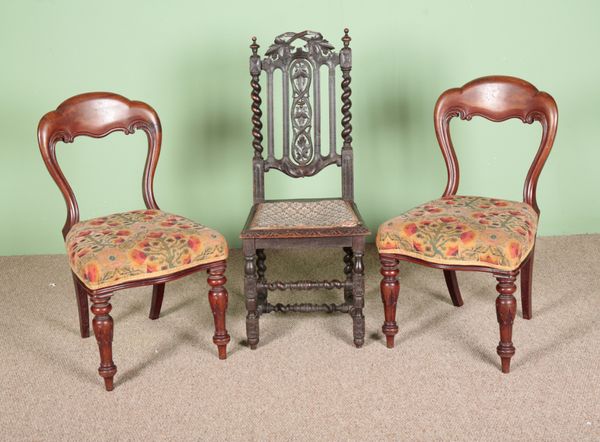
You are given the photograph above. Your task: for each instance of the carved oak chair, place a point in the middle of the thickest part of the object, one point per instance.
(130, 249)
(332, 222)
(473, 233)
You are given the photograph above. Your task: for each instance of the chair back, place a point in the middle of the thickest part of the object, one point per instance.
(96, 115)
(299, 57)
(497, 98)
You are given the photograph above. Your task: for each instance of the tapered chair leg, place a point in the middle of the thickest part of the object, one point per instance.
(526, 287)
(82, 308)
(452, 283)
(390, 288)
(103, 329)
(158, 292)
(218, 299)
(506, 308)
(358, 290)
(250, 280)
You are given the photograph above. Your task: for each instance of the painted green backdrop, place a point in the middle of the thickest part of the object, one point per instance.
(189, 59)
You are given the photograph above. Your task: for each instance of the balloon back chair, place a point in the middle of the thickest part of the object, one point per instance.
(472, 233)
(331, 222)
(130, 249)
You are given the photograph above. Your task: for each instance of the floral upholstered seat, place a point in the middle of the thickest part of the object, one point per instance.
(463, 230)
(129, 246)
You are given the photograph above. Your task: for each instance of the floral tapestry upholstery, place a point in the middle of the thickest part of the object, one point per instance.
(304, 214)
(137, 245)
(463, 230)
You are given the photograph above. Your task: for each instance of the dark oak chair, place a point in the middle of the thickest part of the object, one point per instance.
(472, 233)
(332, 222)
(130, 249)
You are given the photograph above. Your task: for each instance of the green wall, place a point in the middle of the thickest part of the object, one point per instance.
(189, 59)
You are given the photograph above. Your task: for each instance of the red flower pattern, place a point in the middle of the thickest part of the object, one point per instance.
(138, 256)
(467, 237)
(514, 250)
(452, 251)
(410, 229)
(91, 272)
(194, 243)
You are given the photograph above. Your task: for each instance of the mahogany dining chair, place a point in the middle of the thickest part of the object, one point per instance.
(134, 248)
(474, 233)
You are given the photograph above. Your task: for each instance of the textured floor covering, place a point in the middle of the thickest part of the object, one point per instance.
(306, 381)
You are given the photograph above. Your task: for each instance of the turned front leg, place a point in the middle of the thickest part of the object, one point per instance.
(103, 329)
(261, 269)
(348, 267)
(358, 290)
(506, 309)
(218, 299)
(250, 279)
(390, 288)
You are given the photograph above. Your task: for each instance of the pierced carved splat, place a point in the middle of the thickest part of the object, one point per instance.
(302, 145)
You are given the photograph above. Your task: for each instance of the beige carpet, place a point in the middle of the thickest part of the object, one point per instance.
(306, 381)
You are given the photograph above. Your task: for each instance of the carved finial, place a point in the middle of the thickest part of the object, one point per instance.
(346, 38)
(254, 46)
